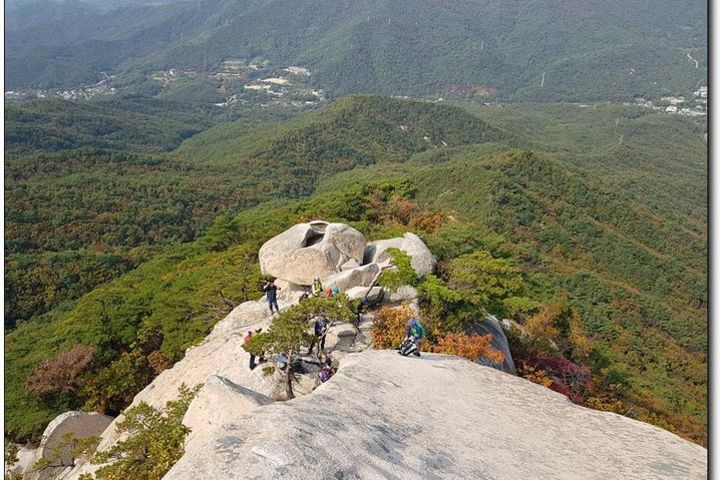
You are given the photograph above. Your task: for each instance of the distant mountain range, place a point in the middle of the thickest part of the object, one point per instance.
(515, 50)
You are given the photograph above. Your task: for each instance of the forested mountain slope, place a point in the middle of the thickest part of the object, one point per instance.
(529, 49)
(581, 216)
(98, 175)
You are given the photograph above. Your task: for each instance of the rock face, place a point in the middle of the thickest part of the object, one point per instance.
(288, 293)
(218, 402)
(492, 326)
(405, 293)
(373, 295)
(26, 459)
(361, 276)
(339, 336)
(221, 354)
(78, 424)
(386, 416)
(311, 250)
(422, 259)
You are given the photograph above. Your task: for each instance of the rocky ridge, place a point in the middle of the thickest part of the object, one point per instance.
(436, 417)
(236, 424)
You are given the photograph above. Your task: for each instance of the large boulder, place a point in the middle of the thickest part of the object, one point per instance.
(289, 293)
(76, 424)
(422, 259)
(492, 326)
(372, 295)
(357, 277)
(342, 335)
(218, 402)
(311, 250)
(439, 417)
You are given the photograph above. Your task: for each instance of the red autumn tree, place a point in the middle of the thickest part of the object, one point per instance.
(61, 373)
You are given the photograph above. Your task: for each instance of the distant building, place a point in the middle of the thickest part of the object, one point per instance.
(671, 109)
(276, 80)
(673, 100)
(702, 92)
(298, 70)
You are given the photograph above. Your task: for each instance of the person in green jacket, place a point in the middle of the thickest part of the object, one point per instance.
(317, 288)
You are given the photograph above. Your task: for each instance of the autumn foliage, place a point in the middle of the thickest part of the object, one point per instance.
(388, 209)
(557, 328)
(471, 347)
(60, 374)
(389, 332)
(389, 326)
(568, 378)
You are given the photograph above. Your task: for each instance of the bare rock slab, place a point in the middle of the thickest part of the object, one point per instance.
(219, 401)
(78, 424)
(357, 277)
(436, 417)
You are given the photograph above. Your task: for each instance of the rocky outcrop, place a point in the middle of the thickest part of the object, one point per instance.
(361, 276)
(221, 354)
(288, 293)
(404, 294)
(26, 458)
(218, 402)
(77, 424)
(340, 336)
(386, 416)
(311, 250)
(383, 415)
(492, 326)
(372, 295)
(422, 259)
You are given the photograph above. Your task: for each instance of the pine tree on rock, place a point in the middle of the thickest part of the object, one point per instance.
(290, 330)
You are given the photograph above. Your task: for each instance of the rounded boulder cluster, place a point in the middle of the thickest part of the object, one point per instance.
(337, 254)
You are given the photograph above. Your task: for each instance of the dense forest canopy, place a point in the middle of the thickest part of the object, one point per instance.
(136, 243)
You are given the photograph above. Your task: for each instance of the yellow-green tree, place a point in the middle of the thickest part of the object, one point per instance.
(289, 331)
(155, 440)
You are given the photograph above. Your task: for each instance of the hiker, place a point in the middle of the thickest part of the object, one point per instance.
(335, 291)
(328, 292)
(359, 310)
(327, 371)
(262, 358)
(305, 295)
(320, 331)
(282, 361)
(252, 357)
(414, 333)
(317, 288)
(270, 290)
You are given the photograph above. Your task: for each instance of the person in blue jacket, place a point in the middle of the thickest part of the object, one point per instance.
(271, 290)
(415, 332)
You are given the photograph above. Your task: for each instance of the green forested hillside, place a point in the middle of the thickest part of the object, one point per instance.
(89, 191)
(584, 216)
(80, 197)
(603, 50)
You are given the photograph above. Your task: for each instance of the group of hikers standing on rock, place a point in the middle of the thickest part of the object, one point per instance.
(414, 332)
(320, 327)
(271, 290)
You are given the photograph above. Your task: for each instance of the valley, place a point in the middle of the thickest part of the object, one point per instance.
(550, 157)
(549, 185)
